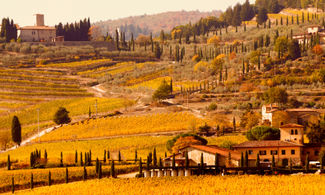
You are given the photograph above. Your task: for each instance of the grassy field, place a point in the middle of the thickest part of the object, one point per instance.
(127, 146)
(22, 177)
(312, 184)
(76, 107)
(128, 125)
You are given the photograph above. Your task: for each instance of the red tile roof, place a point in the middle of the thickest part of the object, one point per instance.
(217, 150)
(292, 125)
(267, 143)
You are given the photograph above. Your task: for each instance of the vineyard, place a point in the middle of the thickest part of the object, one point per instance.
(76, 107)
(40, 176)
(125, 126)
(126, 146)
(311, 184)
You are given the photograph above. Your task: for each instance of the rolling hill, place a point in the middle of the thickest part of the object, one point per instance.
(145, 24)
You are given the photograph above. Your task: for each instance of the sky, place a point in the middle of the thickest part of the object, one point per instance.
(55, 11)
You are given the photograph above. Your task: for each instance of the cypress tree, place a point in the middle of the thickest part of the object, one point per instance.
(16, 130)
(31, 160)
(66, 175)
(8, 163)
(89, 158)
(154, 157)
(258, 161)
(104, 159)
(242, 160)
(246, 159)
(287, 22)
(113, 169)
(234, 123)
(45, 155)
(89, 113)
(297, 19)
(76, 157)
(117, 40)
(307, 163)
(165, 154)
(49, 179)
(302, 17)
(290, 165)
(216, 162)
(84, 176)
(108, 155)
(119, 156)
(31, 181)
(187, 163)
(281, 21)
(135, 156)
(140, 167)
(12, 185)
(100, 171)
(202, 164)
(61, 160)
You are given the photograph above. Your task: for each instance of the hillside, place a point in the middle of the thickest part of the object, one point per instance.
(145, 24)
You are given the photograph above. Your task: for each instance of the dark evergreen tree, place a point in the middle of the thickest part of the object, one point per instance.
(113, 169)
(62, 116)
(16, 130)
(49, 179)
(262, 16)
(66, 175)
(104, 159)
(8, 163)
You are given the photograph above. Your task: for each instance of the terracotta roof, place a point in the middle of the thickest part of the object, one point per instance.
(292, 125)
(217, 150)
(37, 28)
(267, 143)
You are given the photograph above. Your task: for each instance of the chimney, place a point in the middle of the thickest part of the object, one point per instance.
(39, 20)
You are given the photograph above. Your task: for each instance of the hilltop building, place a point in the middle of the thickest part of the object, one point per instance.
(38, 33)
(299, 116)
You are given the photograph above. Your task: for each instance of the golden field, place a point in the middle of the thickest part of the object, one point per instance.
(125, 125)
(309, 184)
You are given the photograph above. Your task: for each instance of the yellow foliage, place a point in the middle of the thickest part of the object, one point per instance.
(239, 185)
(184, 142)
(102, 127)
(214, 40)
(201, 66)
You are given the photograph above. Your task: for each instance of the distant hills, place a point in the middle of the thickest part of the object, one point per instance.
(145, 24)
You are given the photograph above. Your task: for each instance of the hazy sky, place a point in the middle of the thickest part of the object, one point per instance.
(22, 11)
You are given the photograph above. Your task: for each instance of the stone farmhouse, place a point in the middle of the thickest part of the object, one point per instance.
(291, 146)
(299, 116)
(38, 33)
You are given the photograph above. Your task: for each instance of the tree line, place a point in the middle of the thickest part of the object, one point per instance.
(74, 31)
(8, 30)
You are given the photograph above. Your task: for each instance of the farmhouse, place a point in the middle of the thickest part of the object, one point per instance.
(209, 153)
(299, 116)
(38, 33)
(290, 146)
